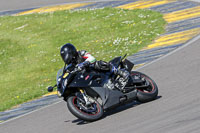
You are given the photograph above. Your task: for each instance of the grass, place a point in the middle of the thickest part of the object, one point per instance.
(30, 44)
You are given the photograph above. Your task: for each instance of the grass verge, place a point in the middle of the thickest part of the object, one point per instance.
(30, 44)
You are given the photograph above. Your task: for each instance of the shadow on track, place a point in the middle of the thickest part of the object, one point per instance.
(112, 111)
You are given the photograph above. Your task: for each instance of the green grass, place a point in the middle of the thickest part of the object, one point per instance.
(30, 44)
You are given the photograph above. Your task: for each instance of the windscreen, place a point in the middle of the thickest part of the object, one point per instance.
(59, 73)
(116, 61)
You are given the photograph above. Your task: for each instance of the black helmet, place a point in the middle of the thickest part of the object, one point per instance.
(68, 53)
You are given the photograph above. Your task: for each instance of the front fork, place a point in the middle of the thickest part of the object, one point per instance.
(87, 102)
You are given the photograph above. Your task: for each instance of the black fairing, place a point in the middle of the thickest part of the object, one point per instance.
(87, 79)
(128, 65)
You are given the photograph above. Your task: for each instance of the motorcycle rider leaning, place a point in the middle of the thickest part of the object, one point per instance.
(83, 59)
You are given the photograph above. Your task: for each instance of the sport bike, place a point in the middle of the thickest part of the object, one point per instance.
(89, 93)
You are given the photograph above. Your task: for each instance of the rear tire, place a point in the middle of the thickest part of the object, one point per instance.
(76, 110)
(150, 93)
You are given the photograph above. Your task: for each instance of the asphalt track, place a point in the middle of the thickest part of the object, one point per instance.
(8, 5)
(177, 109)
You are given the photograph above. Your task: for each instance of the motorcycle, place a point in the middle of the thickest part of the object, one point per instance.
(89, 93)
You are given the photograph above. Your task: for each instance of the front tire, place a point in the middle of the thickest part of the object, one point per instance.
(148, 94)
(78, 109)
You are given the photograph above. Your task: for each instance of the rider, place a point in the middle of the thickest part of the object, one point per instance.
(83, 59)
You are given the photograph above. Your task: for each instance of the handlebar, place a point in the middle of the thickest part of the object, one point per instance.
(76, 69)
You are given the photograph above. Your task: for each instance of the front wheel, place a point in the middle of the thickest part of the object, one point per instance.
(148, 93)
(91, 112)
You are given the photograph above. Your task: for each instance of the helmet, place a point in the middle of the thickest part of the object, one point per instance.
(68, 53)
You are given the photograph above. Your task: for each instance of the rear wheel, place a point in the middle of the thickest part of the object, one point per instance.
(145, 94)
(91, 112)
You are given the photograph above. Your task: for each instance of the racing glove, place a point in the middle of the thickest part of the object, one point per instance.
(82, 65)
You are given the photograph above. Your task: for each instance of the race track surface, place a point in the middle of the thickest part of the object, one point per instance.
(177, 109)
(7, 5)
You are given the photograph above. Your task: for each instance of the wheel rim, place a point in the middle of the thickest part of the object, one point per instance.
(151, 87)
(93, 109)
